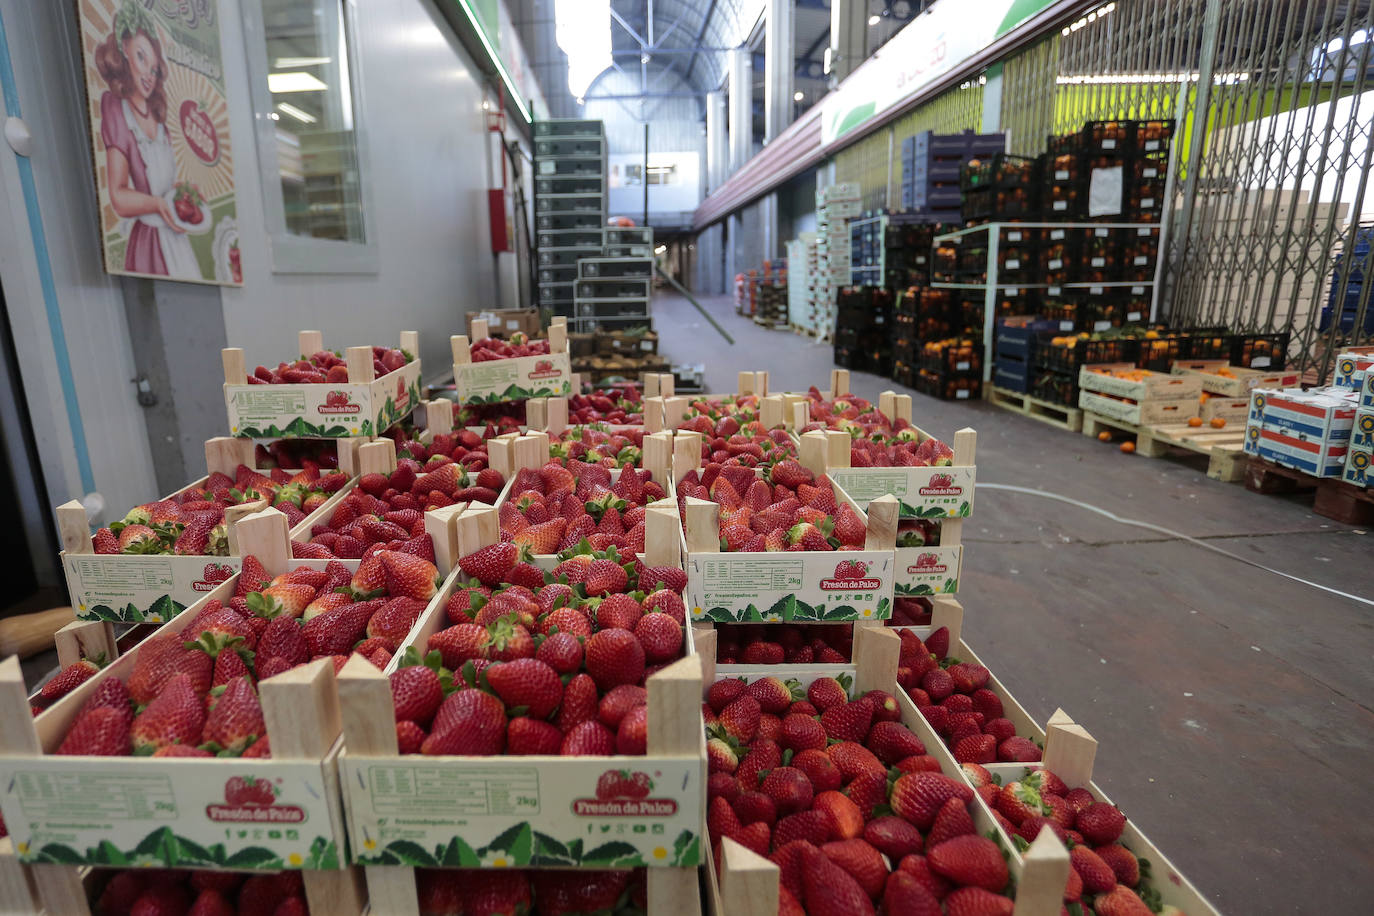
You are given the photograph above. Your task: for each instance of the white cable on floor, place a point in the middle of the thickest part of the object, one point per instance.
(1173, 534)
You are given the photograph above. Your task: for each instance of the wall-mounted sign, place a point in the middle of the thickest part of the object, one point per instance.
(164, 167)
(930, 46)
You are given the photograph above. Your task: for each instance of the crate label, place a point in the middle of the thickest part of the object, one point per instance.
(1098, 262)
(1141, 260)
(589, 812)
(178, 813)
(962, 365)
(1152, 145)
(323, 411)
(927, 571)
(1149, 173)
(1097, 290)
(1109, 144)
(1261, 362)
(1013, 291)
(1014, 236)
(1061, 205)
(1133, 316)
(513, 379)
(1055, 264)
(785, 588)
(1101, 325)
(141, 589)
(1147, 203)
(930, 492)
(1054, 291)
(1013, 264)
(646, 345)
(962, 394)
(1066, 325)
(1061, 174)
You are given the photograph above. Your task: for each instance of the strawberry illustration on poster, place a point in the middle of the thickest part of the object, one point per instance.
(164, 165)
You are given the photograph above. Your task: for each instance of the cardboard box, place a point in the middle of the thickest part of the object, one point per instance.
(505, 322)
(1362, 433)
(1367, 390)
(1318, 457)
(1351, 364)
(1232, 410)
(1253, 428)
(927, 571)
(1318, 415)
(1359, 467)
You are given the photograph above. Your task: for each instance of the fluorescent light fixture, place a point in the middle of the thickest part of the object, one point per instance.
(301, 115)
(660, 249)
(512, 93)
(274, 116)
(798, 96)
(288, 63)
(297, 81)
(583, 31)
(1099, 13)
(1104, 79)
(874, 19)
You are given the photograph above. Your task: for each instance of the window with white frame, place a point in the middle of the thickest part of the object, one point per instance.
(311, 149)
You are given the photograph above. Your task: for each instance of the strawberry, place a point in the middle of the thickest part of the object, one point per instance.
(1120, 901)
(457, 644)
(819, 768)
(335, 632)
(849, 722)
(589, 738)
(720, 756)
(618, 702)
(740, 720)
(469, 722)
(175, 716)
(789, 788)
(525, 736)
(235, 720)
(893, 837)
(105, 541)
(288, 599)
(139, 539)
(976, 749)
(829, 890)
(1122, 862)
(846, 817)
(826, 692)
(489, 565)
(893, 741)
(952, 820)
(805, 536)
(496, 893)
(393, 620)
(970, 860)
(282, 639)
(542, 538)
(632, 737)
(1018, 801)
(1098, 877)
(661, 637)
(724, 692)
(614, 657)
(162, 657)
(1100, 823)
(813, 826)
(1017, 749)
(852, 759)
(977, 901)
(849, 527)
(662, 577)
(579, 702)
(562, 652)
(409, 576)
(861, 862)
(528, 683)
(605, 577)
(801, 733)
(918, 797)
(903, 893)
(410, 737)
(69, 678)
(774, 694)
(102, 731)
(622, 611)
(416, 692)
(110, 693)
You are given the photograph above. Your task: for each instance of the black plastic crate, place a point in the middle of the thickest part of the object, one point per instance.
(1209, 343)
(933, 196)
(1154, 137)
(1158, 353)
(1018, 339)
(1012, 374)
(1055, 387)
(949, 388)
(1063, 358)
(964, 357)
(1260, 351)
(999, 171)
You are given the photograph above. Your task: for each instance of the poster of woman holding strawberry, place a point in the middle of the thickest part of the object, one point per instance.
(162, 166)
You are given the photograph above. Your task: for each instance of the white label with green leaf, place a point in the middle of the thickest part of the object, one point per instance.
(497, 380)
(927, 571)
(141, 588)
(780, 587)
(174, 812)
(323, 411)
(589, 812)
(929, 492)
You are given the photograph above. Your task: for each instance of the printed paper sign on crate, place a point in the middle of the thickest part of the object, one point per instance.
(790, 587)
(515, 379)
(323, 411)
(927, 571)
(596, 812)
(929, 492)
(184, 813)
(141, 589)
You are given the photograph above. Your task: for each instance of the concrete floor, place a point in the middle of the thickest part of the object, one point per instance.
(1232, 706)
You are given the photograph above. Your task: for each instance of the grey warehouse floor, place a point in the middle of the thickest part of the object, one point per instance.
(1232, 706)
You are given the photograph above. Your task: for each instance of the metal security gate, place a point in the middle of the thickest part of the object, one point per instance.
(1272, 150)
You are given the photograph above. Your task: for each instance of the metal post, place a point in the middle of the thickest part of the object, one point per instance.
(741, 108)
(779, 66)
(848, 38)
(646, 173)
(1211, 25)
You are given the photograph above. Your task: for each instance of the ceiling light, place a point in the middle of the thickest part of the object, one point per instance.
(486, 106)
(274, 116)
(874, 19)
(298, 81)
(286, 63)
(660, 249)
(301, 115)
(798, 96)
(643, 58)
(583, 31)
(581, 101)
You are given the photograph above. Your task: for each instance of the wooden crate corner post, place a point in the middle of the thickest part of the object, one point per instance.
(377, 457)
(839, 382)
(965, 446)
(813, 451)
(266, 535)
(946, 611)
(686, 454)
(537, 413)
(92, 639)
(438, 416)
(556, 417)
(658, 457)
(461, 349)
(235, 369)
(360, 368)
(1069, 750)
(1044, 872)
(747, 880)
(74, 527)
(224, 454)
(410, 342)
(882, 523)
(876, 652)
(702, 526)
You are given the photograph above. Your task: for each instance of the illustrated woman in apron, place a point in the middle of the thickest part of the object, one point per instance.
(140, 164)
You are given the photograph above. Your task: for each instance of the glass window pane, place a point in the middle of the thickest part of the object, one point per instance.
(312, 107)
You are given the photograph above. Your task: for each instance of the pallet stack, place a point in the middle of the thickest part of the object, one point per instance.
(931, 165)
(835, 206)
(803, 266)
(613, 293)
(569, 205)
(864, 322)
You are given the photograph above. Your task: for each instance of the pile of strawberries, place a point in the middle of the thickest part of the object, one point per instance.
(789, 644)
(909, 612)
(918, 532)
(542, 664)
(956, 701)
(193, 694)
(490, 348)
(878, 442)
(554, 508)
(845, 800)
(597, 446)
(726, 441)
(499, 418)
(1103, 873)
(387, 512)
(175, 892)
(464, 446)
(326, 366)
(542, 892)
(790, 510)
(619, 404)
(192, 522)
(294, 453)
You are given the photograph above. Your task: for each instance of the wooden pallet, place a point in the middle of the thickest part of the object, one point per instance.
(1223, 447)
(1060, 415)
(1262, 476)
(1332, 498)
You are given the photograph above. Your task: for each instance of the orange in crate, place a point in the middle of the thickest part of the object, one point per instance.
(1195, 421)
(1218, 422)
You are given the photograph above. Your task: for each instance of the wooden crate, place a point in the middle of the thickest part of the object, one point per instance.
(65, 813)
(547, 793)
(514, 379)
(750, 882)
(154, 588)
(1154, 385)
(1233, 410)
(1142, 413)
(1242, 381)
(363, 406)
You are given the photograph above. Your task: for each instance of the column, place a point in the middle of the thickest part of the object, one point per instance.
(741, 108)
(848, 37)
(779, 56)
(717, 141)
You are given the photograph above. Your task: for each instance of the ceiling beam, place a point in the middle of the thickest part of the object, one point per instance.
(695, 49)
(701, 35)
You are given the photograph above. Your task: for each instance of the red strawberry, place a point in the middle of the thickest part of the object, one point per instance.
(1017, 749)
(235, 720)
(605, 577)
(790, 473)
(1097, 875)
(410, 737)
(562, 652)
(1122, 862)
(918, 797)
(163, 657)
(211, 902)
(819, 768)
(661, 637)
(408, 576)
(829, 890)
(460, 643)
(846, 816)
(579, 703)
(542, 538)
(976, 901)
(614, 657)
(102, 731)
(740, 720)
(1100, 823)
(68, 679)
(826, 692)
(971, 861)
(525, 735)
(175, 716)
(416, 693)
(632, 737)
(976, 749)
(903, 893)
(1120, 901)
(336, 632)
(490, 565)
(893, 741)
(589, 738)
(618, 702)
(861, 862)
(1018, 801)
(110, 693)
(893, 837)
(849, 722)
(952, 820)
(720, 756)
(526, 682)
(105, 541)
(469, 722)
(852, 759)
(801, 733)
